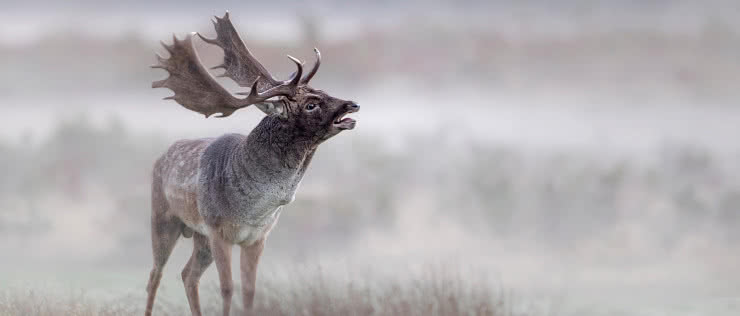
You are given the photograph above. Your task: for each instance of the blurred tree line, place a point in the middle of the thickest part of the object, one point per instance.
(558, 198)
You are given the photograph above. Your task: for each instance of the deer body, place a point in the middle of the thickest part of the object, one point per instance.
(229, 190)
(233, 185)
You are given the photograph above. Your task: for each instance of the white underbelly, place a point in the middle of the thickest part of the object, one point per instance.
(239, 233)
(250, 234)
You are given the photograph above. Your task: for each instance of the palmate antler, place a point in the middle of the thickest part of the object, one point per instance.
(197, 90)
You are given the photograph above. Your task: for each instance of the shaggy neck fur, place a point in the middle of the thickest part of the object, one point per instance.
(274, 150)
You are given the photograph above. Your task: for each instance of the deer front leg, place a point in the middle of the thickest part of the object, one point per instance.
(249, 258)
(221, 251)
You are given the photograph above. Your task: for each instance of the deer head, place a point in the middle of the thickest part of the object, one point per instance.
(310, 112)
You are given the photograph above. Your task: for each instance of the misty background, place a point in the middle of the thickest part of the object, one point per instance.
(581, 155)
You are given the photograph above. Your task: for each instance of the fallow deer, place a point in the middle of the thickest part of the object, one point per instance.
(229, 190)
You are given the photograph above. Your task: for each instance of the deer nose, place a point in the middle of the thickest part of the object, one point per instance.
(353, 106)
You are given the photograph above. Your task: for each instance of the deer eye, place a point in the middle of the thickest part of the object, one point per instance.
(311, 106)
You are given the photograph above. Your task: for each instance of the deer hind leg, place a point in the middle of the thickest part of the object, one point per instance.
(198, 263)
(250, 256)
(221, 251)
(165, 232)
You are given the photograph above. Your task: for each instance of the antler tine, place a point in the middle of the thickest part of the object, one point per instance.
(297, 76)
(211, 41)
(161, 62)
(315, 67)
(225, 17)
(168, 48)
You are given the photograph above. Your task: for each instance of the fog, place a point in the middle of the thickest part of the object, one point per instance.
(577, 157)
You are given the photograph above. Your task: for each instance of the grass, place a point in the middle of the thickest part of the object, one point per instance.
(432, 293)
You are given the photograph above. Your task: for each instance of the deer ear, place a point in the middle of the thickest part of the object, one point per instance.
(273, 108)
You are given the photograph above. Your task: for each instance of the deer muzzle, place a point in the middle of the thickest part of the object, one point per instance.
(341, 122)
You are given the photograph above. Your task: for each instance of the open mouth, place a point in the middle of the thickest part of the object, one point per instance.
(342, 122)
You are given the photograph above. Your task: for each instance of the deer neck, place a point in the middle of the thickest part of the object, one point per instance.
(274, 151)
